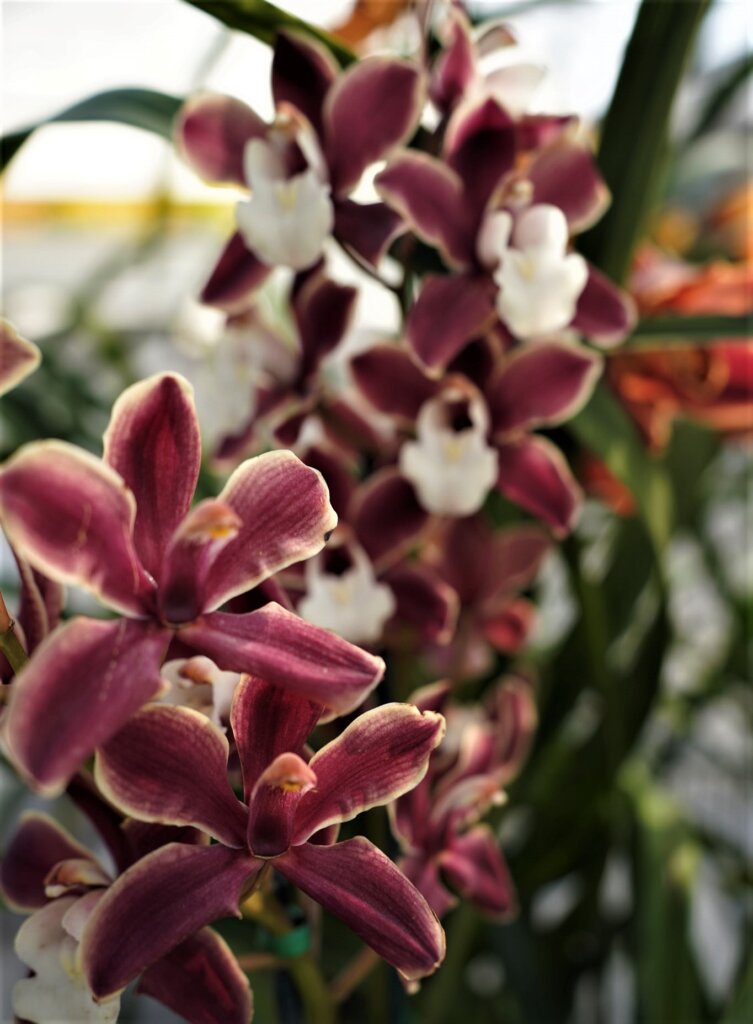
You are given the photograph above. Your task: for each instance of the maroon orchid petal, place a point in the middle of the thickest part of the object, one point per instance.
(75, 875)
(278, 646)
(605, 314)
(302, 73)
(515, 716)
(275, 798)
(143, 837)
(368, 229)
(424, 873)
(432, 697)
(323, 311)
(465, 798)
(409, 816)
(508, 628)
(386, 515)
(169, 765)
(18, 357)
(481, 564)
(39, 605)
(392, 381)
(268, 721)
(537, 131)
(566, 175)
(211, 132)
(71, 517)
(235, 278)
(337, 473)
(425, 603)
(285, 517)
(157, 904)
(37, 845)
(543, 384)
(207, 529)
(455, 67)
(153, 442)
(96, 674)
(357, 883)
(380, 756)
(201, 981)
(370, 110)
(108, 822)
(533, 473)
(479, 145)
(447, 314)
(475, 867)
(430, 196)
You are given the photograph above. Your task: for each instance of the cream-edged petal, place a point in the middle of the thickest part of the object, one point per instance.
(18, 357)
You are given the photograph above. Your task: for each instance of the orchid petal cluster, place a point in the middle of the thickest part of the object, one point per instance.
(437, 823)
(123, 528)
(301, 169)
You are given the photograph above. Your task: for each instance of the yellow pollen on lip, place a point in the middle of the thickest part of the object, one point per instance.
(221, 530)
(342, 592)
(286, 193)
(527, 267)
(290, 785)
(452, 449)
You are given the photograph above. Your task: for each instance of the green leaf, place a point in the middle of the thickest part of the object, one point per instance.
(741, 1010)
(667, 861)
(696, 329)
(606, 430)
(141, 108)
(263, 21)
(722, 95)
(635, 133)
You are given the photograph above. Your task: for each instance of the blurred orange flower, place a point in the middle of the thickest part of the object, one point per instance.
(366, 17)
(711, 383)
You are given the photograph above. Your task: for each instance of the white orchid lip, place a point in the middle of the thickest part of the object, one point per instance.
(289, 217)
(57, 990)
(450, 464)
(539, 281)
(352, 603)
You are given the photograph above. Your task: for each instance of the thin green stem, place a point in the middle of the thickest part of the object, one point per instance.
(303, 969)
(441, 996)
(10, 645)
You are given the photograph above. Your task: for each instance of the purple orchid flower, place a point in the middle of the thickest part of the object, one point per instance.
(487, 569)
(504, 235)
(437, 822)
(475, 427)
(18, 357)
(301, 169)
(39, 608)
(123, 528)
(46, 873)
(286, 383)
(366, 586)
(170, 765)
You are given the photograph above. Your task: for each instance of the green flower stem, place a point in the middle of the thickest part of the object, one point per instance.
(348, 980)
(262, 908)
(442, 990)
(10, 645)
